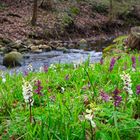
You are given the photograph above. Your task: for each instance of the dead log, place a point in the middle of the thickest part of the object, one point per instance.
(134, 38)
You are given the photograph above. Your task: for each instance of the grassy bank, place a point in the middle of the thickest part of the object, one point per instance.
(88, 101)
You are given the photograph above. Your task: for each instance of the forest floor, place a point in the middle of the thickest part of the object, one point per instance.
(64, 22)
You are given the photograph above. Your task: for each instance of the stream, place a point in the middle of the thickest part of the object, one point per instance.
(69, 56)
(74, 56)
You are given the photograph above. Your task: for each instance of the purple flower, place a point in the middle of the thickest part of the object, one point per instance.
(39, 87)
(117, 99)
(25, 73)
(138, 89)
(101, 61)
(112, 63)
(105, 97)
(133, 58)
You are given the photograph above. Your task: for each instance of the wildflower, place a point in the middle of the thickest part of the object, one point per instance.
(133, 58)
(43, 68)
(52, 66)
(127, 83)
(27, 92)
(39, 87)
(89, 116)
(30, 67)
(101, 61)
(104, 96)
(112, 63)
(62, 89)
(25, 73)
(116, 97)
(2, 76)
(138, 90)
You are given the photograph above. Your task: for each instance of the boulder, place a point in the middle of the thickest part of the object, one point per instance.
(35, 49)
(45, 48)
(83, 44)
(133, 41)
(12, 59)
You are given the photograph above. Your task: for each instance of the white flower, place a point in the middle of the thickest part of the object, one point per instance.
(127, 83)
(27, 92)
(89, 117)
(3, 77)
(52, 66)
(62, 89)
(30, 67)
(41, 69)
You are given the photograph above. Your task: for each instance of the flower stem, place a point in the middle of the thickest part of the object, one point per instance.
(92, 136)
(30, 113)
(125, 102)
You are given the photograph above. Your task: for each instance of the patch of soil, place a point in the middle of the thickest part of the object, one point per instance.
(57, 24)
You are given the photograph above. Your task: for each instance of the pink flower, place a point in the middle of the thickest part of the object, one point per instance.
(116, 97)
(105, 97)
(138, 90)
(112, 63)
(39, 87)
(133, 58)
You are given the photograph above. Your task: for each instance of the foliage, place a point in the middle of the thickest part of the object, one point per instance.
(118, 46)
(68, 93)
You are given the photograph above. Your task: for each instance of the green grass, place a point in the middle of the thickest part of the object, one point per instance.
(59, 115)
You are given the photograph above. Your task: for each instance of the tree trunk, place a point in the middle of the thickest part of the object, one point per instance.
(110, 10)
(134, 39)
(34, 17)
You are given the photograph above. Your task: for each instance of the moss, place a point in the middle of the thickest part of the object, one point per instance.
(116, 48)
(12, 59)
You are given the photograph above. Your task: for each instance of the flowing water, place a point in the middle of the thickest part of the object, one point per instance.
(37, 60)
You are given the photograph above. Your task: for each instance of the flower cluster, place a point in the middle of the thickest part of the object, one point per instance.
(105, 97)
(127, 83)
(138, 90)
(39, 87)
(116, 97)
(27, 92)
(112, 63)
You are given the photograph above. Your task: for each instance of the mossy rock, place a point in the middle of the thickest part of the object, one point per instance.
(108, 50)
(116, 48)
(12, 59)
